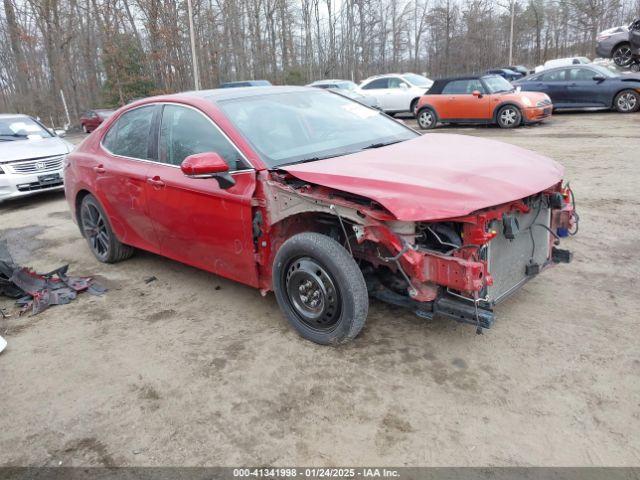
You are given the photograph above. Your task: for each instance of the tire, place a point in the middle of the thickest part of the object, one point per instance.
(96, 228)
(635, 67)
(427, 118)
(621, 55)
(311, 267)
(509, 116)
(627, 101)
(413, 106)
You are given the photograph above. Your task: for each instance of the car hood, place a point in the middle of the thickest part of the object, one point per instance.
(436, 176)
(26, 149)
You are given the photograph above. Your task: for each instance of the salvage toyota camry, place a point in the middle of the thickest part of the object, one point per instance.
(322, 200)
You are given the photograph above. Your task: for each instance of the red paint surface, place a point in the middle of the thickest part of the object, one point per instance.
(436, 176)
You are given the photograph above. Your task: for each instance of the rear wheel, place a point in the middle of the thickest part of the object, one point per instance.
(622, 55)
(414, 107)
(427, 119)
(509, 117)
(320, 288)
(627, 101)
(100, 237)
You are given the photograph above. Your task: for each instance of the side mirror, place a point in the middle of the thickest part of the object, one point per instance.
(477, 94)
(599, 78)
(60, 133)
(403, 85)
(208, 165)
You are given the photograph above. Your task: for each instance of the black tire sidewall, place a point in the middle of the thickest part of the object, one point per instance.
(90, 199)
(633, 92)
(347, 277)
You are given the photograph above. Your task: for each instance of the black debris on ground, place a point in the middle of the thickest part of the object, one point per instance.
(150, 279)
(37, 292)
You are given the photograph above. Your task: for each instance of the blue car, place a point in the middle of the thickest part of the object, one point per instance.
(586, 86)
(505, 73)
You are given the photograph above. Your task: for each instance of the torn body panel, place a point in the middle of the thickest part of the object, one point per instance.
(421, 262)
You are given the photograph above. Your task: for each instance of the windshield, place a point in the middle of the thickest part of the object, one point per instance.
(417, 80)
(293, 127)
(21, 128)
(497, 84)
(346, 85)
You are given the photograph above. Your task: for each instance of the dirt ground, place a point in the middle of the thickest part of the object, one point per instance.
(193, 369)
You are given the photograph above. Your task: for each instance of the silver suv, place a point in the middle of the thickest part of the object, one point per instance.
(31, 157)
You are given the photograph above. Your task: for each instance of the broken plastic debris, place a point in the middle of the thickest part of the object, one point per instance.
(3, 344)
(39, 291)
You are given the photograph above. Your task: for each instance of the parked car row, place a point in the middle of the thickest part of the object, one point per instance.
(32, 157)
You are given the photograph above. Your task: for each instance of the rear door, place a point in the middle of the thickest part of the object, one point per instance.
(379, 89)
(120, 175)
(556, 87)
(196, 221)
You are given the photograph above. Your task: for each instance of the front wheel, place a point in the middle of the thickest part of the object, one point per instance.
(509, 117)
(627, 101)
(427, 119)
(320, 288)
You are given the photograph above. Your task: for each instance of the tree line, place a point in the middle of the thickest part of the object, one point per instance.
(103, 53)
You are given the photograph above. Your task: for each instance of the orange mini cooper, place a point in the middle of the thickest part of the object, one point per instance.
(481, 99)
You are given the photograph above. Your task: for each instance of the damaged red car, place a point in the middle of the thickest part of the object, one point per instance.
(322, 200)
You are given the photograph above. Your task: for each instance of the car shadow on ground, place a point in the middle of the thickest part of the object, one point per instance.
(31, 201)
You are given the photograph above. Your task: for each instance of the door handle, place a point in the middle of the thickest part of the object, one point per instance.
(99, 169)
(156, 182)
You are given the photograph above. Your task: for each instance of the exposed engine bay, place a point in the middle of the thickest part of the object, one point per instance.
(459, 268)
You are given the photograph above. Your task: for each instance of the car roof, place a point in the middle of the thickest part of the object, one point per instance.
(440, 83)
(218, 94)
(14, 115)
(329, 80)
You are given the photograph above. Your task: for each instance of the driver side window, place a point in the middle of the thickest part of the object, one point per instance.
(185, 132)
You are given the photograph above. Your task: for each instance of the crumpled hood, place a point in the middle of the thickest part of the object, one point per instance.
(436, 176)
(26, 149)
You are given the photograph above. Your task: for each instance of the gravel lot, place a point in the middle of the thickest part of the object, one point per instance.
(193, 369)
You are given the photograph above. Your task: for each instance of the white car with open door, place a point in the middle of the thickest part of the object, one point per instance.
(395, 92)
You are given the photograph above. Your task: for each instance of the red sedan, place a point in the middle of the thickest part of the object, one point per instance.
(322, 200)
(91, 119)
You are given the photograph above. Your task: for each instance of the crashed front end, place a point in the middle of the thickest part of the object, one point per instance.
(462, 267)
(458, 268)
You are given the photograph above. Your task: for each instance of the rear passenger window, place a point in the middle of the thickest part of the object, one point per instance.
(129, 136)
(185, 132)
(555, 76)
(379, 83)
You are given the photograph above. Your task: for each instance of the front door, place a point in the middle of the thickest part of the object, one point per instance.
(196, 221)
(582, 89)
(459, 103)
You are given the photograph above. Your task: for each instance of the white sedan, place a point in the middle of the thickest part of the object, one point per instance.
(395, 92)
